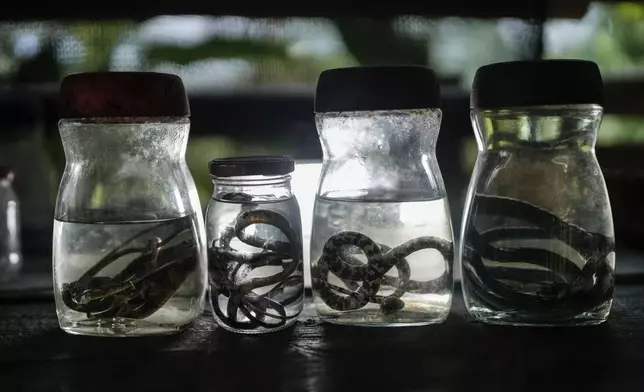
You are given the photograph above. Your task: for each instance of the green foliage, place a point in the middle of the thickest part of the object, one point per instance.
(215, 47)
(99, 40)
(376, 42)
(617, 46)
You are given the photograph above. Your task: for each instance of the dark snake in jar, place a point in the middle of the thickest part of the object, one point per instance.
(572, 288)
(230, 268)
(364, 280)
(144, 285)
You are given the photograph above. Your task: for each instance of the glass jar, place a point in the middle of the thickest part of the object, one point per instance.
(254, 245)
(381, 242)
(23, 148)
(10, 255)
(537, 239)
(129, 252)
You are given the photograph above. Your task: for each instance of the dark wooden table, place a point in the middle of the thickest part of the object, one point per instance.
(457, 355)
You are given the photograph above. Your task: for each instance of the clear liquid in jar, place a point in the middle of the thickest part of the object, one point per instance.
(390, 223)
(154, 282)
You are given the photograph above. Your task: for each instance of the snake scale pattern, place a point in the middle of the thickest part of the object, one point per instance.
(230, 268)
(572, 289)
(364, 280)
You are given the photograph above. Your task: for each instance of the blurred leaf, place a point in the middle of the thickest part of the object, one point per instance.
(99, 40)
(41, 68)
(375, 42)
(214, 48)
(300, 70)
(632, 11)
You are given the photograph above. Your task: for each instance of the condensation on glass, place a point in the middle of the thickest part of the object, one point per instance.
(129, 252)
(381, 242)
(537, 239)
(254, 234)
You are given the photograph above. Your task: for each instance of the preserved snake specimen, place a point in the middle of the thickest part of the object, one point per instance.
(364, 280)
(567, 288)
(230, 269)
(145, 284)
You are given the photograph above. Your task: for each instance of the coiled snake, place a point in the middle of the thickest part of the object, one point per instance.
(364, 280)
(567, 288)
(230, 268)
(145, 284)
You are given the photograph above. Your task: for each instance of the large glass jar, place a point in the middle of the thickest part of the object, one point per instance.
(254, 245)
(381, 242)
(537, 240)
(129, 252)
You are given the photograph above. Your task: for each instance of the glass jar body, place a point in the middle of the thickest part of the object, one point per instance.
(381, 242)
(129, 254)
(254, 234)
(537, 238)
(10, 252)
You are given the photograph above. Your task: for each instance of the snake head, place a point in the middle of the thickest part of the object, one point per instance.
(74, 290)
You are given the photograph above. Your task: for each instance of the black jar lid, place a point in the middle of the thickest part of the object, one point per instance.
(537, 83)
(377, 88)
(122, 94)
(260, 165)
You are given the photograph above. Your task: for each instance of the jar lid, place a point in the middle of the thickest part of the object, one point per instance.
(261, 165)
(122, 94)
(377, 88)
(537, 83)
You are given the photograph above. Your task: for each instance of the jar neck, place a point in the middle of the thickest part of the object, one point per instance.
(252, 188)
(125, 139)
(401, 133)
(547, 127)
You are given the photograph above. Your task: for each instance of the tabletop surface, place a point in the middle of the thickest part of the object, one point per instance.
(460, 354)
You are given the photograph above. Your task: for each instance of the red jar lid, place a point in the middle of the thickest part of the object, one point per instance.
(122, 94)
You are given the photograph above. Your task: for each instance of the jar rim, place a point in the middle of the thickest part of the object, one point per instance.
(125, 120)
(574, 106)
(252, 165)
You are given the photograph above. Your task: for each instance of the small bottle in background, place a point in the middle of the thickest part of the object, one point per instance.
(10, 254)
(24, 147)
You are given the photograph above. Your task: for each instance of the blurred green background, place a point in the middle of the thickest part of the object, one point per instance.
(240, 53)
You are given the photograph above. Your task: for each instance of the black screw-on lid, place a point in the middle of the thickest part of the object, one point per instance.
(377, 88)
(122, 94)
(262, 165)
(536, 83)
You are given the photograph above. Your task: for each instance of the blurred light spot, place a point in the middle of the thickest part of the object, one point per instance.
(26, 45)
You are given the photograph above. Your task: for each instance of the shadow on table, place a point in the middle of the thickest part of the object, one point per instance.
(464, 355)
(457, 355)
(202, 358)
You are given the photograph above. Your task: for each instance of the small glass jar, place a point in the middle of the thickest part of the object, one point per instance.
(381, 242)
(10, 255)
(537, 239)
(23, 148)
(129, 252)
(254, 245)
